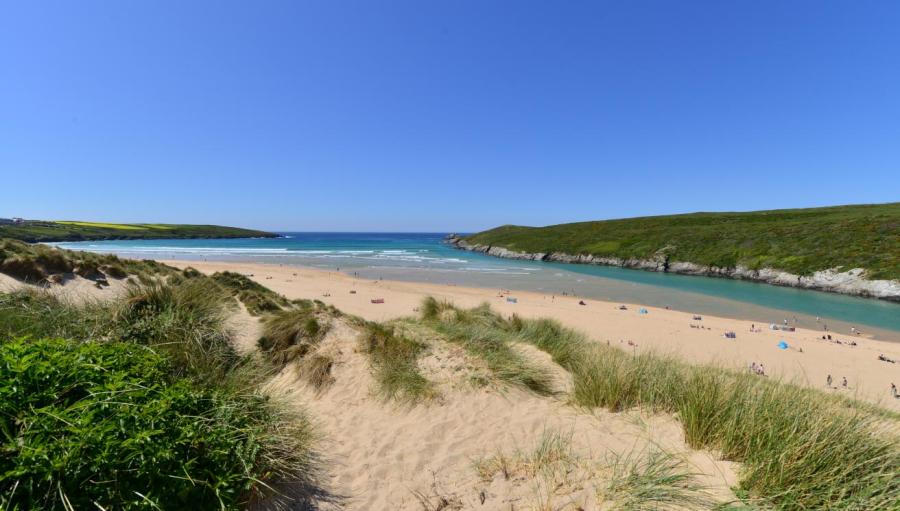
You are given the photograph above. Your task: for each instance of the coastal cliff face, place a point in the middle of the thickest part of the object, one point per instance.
(852, 282)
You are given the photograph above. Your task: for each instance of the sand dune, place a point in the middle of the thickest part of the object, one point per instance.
(666, 331)
(384, 455)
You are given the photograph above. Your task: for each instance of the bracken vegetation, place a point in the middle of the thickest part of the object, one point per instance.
(799, 448)
(800, 241)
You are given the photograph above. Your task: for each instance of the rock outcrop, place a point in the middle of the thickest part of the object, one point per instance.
(851, 282)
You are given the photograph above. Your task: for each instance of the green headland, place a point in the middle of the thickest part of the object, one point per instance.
(34, 231)
(798, 241)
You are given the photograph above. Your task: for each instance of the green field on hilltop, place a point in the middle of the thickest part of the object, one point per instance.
(799, 241)
(42, 231)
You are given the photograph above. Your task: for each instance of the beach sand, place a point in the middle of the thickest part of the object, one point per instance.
(661, 330)
(384, 455)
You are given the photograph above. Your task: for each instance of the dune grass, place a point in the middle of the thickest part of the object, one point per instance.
(551, 455)
(799, 448)
(257, 298)
(481, 333)
(291, 334)
(394, 360)
(654, 480)
(38, 264)
(144, 405)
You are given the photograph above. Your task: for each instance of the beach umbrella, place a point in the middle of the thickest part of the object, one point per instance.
(782, 345)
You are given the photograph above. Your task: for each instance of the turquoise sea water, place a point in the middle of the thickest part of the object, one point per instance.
(423, 257)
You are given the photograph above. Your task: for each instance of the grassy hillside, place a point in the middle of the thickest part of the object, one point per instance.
(40, 231)
(800, 241)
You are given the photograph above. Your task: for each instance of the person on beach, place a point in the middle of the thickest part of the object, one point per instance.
(844, 383)
(893, 391)
(828, 381)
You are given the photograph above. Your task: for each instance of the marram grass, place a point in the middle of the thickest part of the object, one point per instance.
(799, 448)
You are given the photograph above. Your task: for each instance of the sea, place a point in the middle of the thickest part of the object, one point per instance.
(424, 257)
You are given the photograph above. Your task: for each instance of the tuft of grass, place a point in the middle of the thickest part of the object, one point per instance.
(292, 333)
(551, 456)
(653, 481)
(486, 335)
(394, 359)
(257, 298)
(316, 371)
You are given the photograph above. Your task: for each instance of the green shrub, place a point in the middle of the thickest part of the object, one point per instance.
(106, 426)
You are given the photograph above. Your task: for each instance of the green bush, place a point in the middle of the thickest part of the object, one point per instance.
(90, 425)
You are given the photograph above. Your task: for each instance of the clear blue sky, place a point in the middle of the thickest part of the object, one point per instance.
(443, 115)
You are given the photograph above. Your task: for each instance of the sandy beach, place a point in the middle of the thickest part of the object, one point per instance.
(808, 360)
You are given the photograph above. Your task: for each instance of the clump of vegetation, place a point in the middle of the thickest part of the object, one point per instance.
(482, 333)
(799, 448)
(394, 359)
(656, 480)
(109, 426)
(257, 298)
(38, 264)
(145, 405)
(800, 241)
(292, 333)
(550, 457)
(316, 370)
(185, 320)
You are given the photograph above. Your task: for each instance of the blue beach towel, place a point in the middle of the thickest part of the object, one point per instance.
(782, 345)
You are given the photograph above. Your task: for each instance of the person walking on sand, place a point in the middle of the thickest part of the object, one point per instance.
(844, 383)
(828, 381)
(893, 391)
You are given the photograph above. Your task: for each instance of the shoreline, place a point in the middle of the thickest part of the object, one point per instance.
(807, 361)
(850, 283)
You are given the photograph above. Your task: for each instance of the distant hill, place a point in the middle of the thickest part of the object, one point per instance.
(43, 231)
(800, 242)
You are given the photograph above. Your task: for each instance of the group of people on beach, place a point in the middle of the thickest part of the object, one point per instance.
(829, 380)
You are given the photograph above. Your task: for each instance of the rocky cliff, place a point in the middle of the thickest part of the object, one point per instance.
(851, 282)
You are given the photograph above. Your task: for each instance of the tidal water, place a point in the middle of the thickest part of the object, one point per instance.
(423, 257)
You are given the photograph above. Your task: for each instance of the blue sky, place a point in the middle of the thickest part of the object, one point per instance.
(443, 115)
